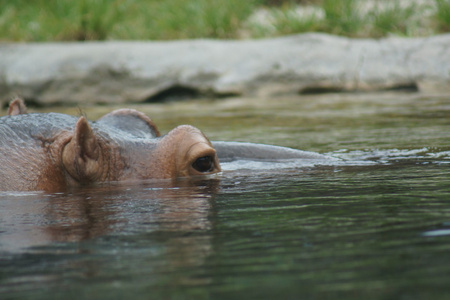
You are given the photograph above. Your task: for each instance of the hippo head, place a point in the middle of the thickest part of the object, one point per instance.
(184, 152)
(52, 151)
(126, 145)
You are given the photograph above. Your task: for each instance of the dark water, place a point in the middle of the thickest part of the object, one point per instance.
(375, 225)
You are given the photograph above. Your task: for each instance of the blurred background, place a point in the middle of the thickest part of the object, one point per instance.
(65, 20)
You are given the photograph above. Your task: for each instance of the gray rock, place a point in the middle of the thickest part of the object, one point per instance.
(122, 71)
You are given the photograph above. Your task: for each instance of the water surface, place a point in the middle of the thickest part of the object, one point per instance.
(373, 225)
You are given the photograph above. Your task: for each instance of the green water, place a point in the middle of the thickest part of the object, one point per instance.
(375, 225)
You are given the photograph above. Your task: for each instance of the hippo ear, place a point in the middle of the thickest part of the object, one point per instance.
(82, 155)
(17, 107)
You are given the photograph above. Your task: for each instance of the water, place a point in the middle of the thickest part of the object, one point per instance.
(374, 225)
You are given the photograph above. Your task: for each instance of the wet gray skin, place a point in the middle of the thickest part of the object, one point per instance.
(39, 151)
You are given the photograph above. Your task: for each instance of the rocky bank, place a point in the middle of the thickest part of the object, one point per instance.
(138, 71)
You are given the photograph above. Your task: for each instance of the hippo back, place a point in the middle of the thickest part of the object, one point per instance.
(24, 158)
(230, 151)
(28, 129)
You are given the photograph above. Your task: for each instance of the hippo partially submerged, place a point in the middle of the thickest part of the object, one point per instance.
(51, 151)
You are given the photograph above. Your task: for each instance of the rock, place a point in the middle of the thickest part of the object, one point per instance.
(122, 71)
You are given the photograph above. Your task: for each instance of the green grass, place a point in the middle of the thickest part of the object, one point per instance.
(67, 20)
(443, 15)
(43, 20)
(349, 18)
(393, 19)
(342, 17)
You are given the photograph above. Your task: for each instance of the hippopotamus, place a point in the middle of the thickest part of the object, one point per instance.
(53, 151)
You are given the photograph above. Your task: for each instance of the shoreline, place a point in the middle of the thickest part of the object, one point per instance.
(117, 72)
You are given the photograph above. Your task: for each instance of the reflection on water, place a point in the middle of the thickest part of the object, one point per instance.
(373, 224)
(76, 233)
(33, 219)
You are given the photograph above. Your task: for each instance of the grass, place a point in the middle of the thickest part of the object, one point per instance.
(342, 17)
(44, 20)
(41, 20)
(66, 20)
(443, 15)
(354, 18)
(393, 19)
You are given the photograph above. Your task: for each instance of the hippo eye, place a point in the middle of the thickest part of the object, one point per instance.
(203, 164)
